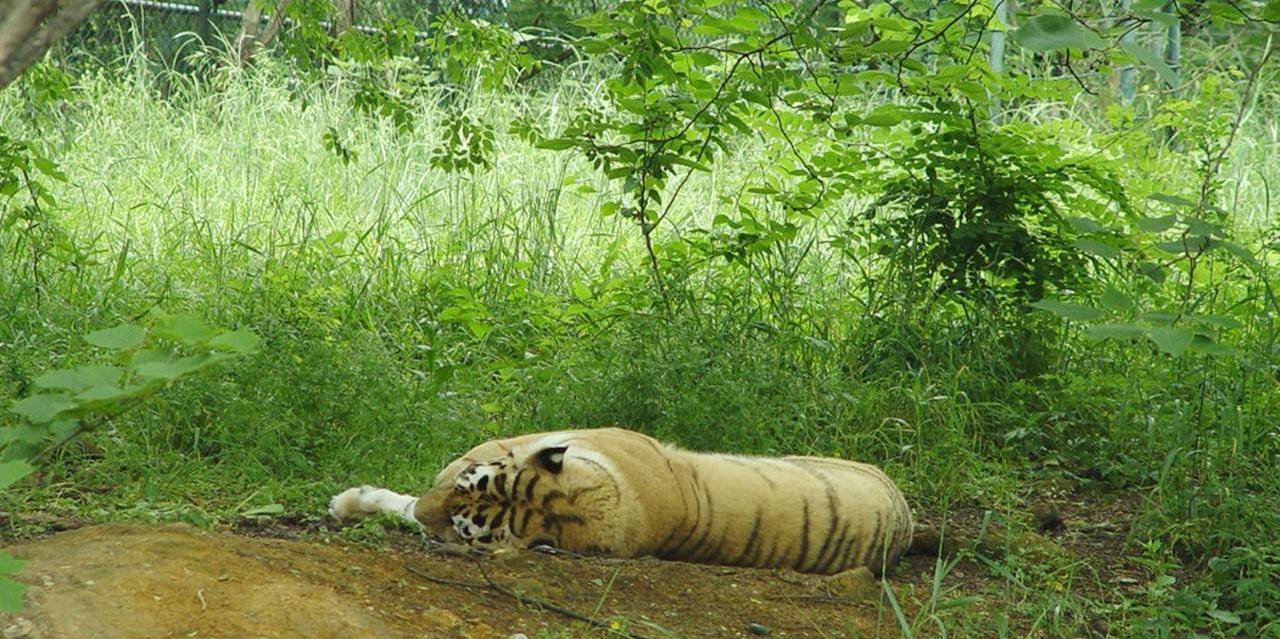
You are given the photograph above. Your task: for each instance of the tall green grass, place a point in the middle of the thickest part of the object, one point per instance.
(409, 313)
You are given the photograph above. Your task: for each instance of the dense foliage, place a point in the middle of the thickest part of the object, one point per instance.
(995, 249)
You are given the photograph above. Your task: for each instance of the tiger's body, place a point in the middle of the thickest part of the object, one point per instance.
(618, 493)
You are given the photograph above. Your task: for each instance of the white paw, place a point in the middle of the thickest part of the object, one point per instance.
(348, 505)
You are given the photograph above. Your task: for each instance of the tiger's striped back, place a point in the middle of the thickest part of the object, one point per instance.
(809, 514)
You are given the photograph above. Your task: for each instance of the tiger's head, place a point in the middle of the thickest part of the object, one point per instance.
(545, 496)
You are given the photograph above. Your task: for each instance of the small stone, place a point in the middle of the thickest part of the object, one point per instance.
(759, 629)
(19, 628)
(518, 635)
(857, 583)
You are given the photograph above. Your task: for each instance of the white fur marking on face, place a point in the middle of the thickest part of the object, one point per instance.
(470, 478)
(557, 458)
(467, 529)
(552, 440)
(595, 456)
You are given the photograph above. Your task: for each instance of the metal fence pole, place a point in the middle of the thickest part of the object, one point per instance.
(204, 24)
(1173, 44)
(995, 57)
(1128, 73)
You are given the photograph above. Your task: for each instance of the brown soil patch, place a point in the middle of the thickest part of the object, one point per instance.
(273, 579)
(129, 581)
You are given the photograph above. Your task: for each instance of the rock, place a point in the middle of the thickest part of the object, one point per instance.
(857, 583)
(19, 629)
(437, 620)
(1041, 549)
(758, 629)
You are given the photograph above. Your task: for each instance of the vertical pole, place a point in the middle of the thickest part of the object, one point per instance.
(1128, 73)
(1172, 53)
(995, 57)
(203, 27)
(1173, 43)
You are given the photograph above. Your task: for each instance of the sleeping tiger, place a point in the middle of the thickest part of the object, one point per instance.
(618, 493)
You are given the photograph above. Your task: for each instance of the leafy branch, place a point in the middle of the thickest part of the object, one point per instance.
(73, 401)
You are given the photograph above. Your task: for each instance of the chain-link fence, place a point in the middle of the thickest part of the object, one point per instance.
(164, 29)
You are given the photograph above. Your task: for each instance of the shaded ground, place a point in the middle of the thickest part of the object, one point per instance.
(133, 581)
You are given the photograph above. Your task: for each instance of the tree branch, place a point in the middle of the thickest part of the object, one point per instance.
(28, 28)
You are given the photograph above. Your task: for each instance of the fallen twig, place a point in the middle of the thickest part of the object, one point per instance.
(825, 599)
(491, 585)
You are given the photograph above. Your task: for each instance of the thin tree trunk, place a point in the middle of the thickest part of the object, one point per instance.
(344, 15)
(247, 40)
(28, 28)
(273, 27)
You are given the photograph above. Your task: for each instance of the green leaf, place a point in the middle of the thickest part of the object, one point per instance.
(1173, 200)
(1114, 331)
(269, 509)
(1197, 226)
(1069, 310)
(1114, 300)
(1155, 10)
(1147, 57)
(1053, 32)
(241, 341)
(1164, 318)
(43, 407)
(682, 161)
(479, 329)
(1174, 341)
(1224, 616)
(1271, 12)
(23, 432)
(556, 144)
(47, 167)
(11, 595)
(80, 378)
(170, 369)
(1084, 224)
(1097, 248)
(1153, 271)
(1241, 252)
(1149, 5)
(187, 329)
(959, 602)
(1156, 224)
(107, 394)
(122, 337)
(1221, 321)
(885, 115)
(1208, 346)
(12, 471)
(63, 427)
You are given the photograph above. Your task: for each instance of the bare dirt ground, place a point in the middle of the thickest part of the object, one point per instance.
(256, 581)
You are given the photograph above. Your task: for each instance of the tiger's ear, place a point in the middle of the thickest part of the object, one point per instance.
(551, 459)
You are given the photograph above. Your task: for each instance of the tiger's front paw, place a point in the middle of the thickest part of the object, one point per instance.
(348, 505)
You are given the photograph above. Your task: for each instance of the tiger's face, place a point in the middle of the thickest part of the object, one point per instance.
(518, 500)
